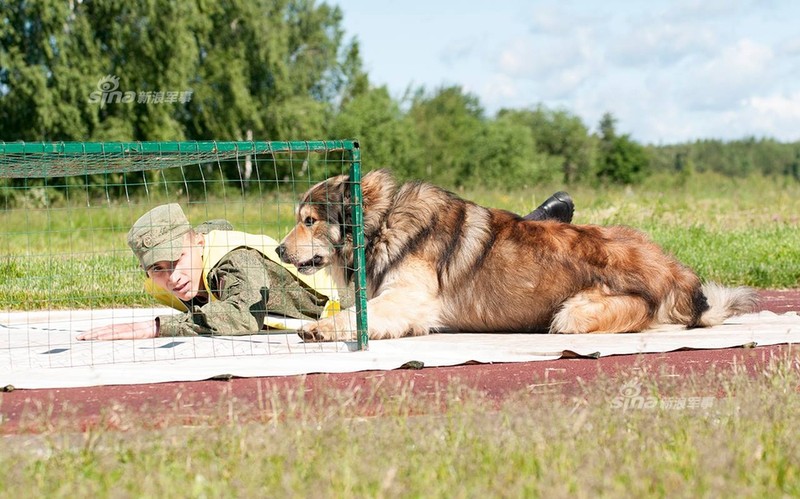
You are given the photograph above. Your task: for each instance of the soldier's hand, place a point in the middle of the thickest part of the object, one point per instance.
(126, 331)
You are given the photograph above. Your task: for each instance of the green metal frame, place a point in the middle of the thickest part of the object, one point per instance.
(359, 258)
(34, 159)
(207, 146)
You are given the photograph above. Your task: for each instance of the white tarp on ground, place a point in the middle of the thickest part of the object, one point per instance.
(39, 350)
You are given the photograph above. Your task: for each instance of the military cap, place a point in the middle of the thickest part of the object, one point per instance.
(158, 235)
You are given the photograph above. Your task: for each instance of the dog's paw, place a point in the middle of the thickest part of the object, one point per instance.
(310, 333)
(324, 330)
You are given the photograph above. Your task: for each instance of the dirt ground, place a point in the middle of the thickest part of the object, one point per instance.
(23, 411)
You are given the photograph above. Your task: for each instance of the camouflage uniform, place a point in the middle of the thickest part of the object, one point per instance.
(242, 281)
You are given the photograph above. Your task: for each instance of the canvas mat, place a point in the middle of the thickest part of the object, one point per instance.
(39, 350)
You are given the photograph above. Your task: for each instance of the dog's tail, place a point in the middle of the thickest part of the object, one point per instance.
(726, 302)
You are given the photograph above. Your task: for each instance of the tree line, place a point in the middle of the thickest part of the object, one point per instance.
(116, 70)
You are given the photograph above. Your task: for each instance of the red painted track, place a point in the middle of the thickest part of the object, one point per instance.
(193, 402)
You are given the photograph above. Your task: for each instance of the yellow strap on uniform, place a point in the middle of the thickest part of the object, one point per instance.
(163, 296)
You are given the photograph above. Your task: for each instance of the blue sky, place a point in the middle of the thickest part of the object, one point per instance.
(670, 71)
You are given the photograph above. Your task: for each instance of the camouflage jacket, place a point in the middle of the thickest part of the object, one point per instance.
(247, 285)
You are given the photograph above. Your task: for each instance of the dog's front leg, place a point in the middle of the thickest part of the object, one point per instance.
(398, 311)
(402, 312)
(338, 327)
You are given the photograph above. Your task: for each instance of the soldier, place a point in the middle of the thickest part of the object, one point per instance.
(224, 280)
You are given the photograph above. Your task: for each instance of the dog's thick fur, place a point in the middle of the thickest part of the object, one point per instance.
(434, 260)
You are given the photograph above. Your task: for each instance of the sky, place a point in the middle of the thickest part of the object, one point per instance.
(669, 71)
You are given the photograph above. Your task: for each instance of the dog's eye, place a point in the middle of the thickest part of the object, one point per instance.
(309, 221)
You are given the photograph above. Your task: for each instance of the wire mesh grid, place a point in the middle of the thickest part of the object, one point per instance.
(65, 210)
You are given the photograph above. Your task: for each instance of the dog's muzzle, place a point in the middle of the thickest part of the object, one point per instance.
(307, 267)
(311, 266)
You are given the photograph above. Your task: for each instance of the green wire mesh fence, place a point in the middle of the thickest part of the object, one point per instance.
(65, 209)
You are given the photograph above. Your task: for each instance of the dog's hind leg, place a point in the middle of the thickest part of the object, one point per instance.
(599, 311)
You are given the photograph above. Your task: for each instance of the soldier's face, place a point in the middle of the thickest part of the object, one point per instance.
(183, 277)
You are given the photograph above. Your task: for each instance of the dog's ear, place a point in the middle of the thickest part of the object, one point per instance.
(327, 198)
(334, 194)
(378, 188)
(343, 213)
(329, 191)
(336, 200)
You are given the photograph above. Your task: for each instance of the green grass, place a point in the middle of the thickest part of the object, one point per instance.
(393, 442)
(72, 256)
(454, 443)
(735, 232)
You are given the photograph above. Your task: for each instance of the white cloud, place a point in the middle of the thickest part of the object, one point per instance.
(775, 115)
(781, 106)
(668, 70)
(746, 57)
(661, 45)
(499, 90)
(729, 77)
(529, 57)
(556, 19)
(790, 47)
(706, 10)
(460, 50)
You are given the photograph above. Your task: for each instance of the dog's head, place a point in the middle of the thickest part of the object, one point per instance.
(323, 234)
(322, 215)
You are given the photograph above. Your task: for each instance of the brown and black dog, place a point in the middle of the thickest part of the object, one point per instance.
(436, 261)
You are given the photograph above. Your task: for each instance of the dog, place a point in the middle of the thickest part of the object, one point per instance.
(436, 261)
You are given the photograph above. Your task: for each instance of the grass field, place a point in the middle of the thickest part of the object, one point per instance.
(733, 231)
(734, 434)
(724, 433)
